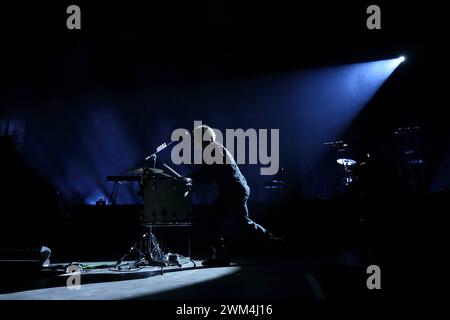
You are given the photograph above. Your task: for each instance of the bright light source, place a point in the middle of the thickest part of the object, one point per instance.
(401, 59)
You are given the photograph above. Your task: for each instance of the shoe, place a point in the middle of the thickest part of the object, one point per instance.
(219, 257)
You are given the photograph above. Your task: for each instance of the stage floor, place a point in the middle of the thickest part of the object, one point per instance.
(243, 280)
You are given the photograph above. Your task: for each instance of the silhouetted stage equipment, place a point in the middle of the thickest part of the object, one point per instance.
(119, 179)
(144, 171)
(407, 130)
(348, 172)
(409, 142)
(346, 162)
(167, 203)
(339, 146)
(139, 174)
(346, 176)
(24, 259)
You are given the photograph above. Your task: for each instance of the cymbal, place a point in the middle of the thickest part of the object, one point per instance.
(346, 162)
(142, 170)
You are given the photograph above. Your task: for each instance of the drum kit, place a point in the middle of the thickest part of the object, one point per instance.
(408, 157)
(167, 203)
(348, 165)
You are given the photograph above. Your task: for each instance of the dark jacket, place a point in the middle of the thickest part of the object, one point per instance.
(228, 178)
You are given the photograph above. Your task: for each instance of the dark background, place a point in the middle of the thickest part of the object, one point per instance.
(89, 103)
(135, 72)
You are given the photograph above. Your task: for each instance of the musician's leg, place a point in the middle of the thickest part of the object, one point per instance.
(242, 234)
(249, 237)
(215, 232)
(231, 231)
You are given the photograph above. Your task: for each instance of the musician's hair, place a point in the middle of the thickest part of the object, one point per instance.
(208, 133)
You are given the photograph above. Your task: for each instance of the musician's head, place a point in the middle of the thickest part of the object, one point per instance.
(203, 135)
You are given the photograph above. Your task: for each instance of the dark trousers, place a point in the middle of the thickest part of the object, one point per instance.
(229, 220)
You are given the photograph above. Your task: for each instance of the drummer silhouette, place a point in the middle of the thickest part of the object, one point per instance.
(228, 220)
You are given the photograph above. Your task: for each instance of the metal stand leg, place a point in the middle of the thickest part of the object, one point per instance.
(149, 251)
(113, 195)
(137, 246)
(189, 242)
(150, 254)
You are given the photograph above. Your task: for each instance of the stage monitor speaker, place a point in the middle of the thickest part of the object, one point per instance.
(24, 259)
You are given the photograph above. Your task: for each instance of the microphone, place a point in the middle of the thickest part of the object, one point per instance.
(160, 148)
(164, 145)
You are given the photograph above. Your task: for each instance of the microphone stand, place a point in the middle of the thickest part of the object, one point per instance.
(147, 246)
(158, 150)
